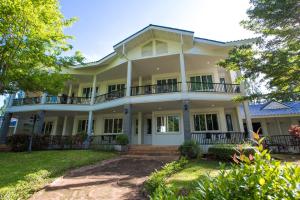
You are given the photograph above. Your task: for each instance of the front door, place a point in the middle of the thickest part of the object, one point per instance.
(147, 139)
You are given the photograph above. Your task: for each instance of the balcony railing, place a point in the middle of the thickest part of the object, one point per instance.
(213, 87)
(155, 89)
(110, 96)
(26, 101)
(210, 138)
(68, 100)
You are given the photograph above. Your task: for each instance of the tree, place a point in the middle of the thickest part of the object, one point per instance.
(33, 46)
(275, 57)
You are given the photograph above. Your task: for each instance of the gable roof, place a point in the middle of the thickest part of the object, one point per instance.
(273, 108)
(186, 33)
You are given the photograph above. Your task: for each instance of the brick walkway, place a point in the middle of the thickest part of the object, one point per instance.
(120, 178)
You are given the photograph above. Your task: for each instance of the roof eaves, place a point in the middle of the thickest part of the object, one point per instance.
(209, 41)
(105, 58)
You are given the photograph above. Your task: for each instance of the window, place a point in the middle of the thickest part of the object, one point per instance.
(167, 123)
(201, 83)
(87, 92)
(113, 125)
(147, 49)
(167, 85)
(149, 126)
(205, 122)
(47, 128)
(161, 47)
(229, 122)
(83, 126)
(116, 87)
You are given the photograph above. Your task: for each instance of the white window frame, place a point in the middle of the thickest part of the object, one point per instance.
(113, 119)
(205, 113)
(165, 119)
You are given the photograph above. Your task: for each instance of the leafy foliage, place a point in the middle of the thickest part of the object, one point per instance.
(275, 58)
(189, 149)
(33, 46)
(159, 177)
(122, 139)
(226, 151)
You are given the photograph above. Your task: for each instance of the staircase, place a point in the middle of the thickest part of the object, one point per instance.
(4, 148)
(153, 150)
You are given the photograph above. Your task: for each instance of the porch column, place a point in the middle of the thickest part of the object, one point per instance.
(127, 122)
(5, 127)
(64, 130)
(182, 67)
(240, 119)
(140, 84)
(10, 100)
(70, 93)
(278, 126)
(94, 89)
(129, 73)
(248, 119)
(182, 73)
(44, 98)
(186, 120)
(140, 120)
(264, 127)
(40, 122)
(90, 124)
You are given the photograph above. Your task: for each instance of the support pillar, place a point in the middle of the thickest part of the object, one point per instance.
(70, 94)
(278, 126)
(5, 127)
(264, 127)
(127, 121)
(140, 120)
(184, 86)
(240, 119)
(129, 73)
(90, 124)
(44, 98)
(186, 120)
(248, 119)
(94, 89)
(64, 130)
(140, 84)
(40, 122)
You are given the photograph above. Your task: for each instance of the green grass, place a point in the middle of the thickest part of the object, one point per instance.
(187, 178)
(20, 169)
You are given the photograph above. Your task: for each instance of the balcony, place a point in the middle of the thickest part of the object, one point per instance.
(135, 91)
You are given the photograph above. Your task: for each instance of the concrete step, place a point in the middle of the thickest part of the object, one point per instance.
(4, 148)
(153, 150)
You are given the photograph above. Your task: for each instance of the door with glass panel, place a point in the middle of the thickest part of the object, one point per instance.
(167, 85)
(201, 83)
(116, 91)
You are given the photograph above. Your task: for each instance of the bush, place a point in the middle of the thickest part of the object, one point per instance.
(189, 149)
(19, 142)
(226, 151)
(159, 177)
(122, 139)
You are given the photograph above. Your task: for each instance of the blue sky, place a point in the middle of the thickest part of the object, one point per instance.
(103, 23)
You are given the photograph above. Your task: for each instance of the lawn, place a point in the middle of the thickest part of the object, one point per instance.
(187, 178)
(40, 167)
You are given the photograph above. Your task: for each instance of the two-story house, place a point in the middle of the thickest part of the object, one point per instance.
(160, 86)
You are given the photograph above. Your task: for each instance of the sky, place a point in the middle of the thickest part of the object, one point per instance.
(103, 23)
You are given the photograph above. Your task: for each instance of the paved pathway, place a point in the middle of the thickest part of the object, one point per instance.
(120, 178)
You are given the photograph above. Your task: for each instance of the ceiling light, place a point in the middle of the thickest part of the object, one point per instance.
(212, 105)
(157, 68)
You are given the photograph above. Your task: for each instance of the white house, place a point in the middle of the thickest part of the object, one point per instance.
(160, 86)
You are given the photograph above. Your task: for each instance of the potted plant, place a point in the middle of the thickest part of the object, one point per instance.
(122, 142)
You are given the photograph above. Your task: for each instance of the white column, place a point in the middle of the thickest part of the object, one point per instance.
(90, 124)
(278, 126)
(248, 119)
(70, 93)
(10, 100)
(140, 120)
(64, 130)
(44, 98)
(140, 84)
(223, 120)
(264, 127)
(129, 72)
(75, 125)
(182, 73)
(240, 120)
(94, 89)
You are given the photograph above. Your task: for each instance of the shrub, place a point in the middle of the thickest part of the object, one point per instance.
(159, 177)
(226, 151)
(189, 149)
(122, 139)
(294, 130)
(19, 142)
(80, 137)
(252, 177)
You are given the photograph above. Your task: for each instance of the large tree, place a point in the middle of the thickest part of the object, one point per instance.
(33, 46)
(274, 59)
